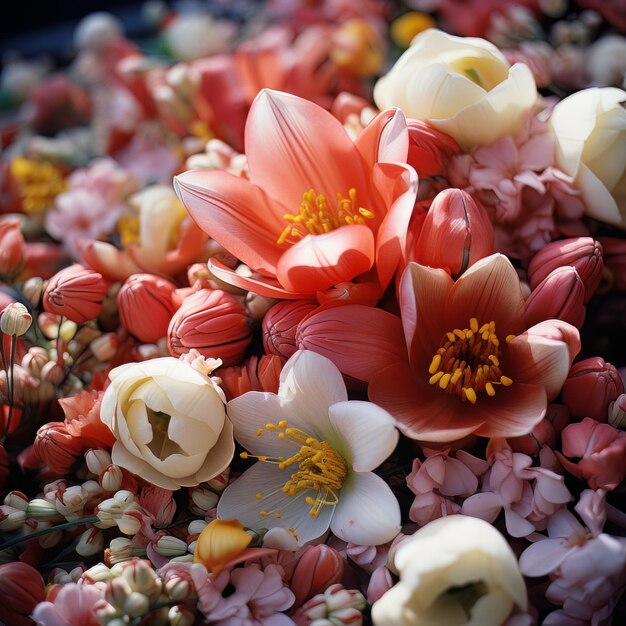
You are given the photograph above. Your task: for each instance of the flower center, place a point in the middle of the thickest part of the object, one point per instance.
(316, 466)
(161, 445)
(39, 183)
(316, 217)
(468, 362)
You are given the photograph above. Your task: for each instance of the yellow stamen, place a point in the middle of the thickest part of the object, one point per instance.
(319, 469)
(467, 363)
(316, 217)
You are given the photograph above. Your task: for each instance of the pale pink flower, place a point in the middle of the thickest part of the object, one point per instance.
(258, 598)
(587, 567)
(595, 452)
(159, 503)
(92, 205)
(74, 605)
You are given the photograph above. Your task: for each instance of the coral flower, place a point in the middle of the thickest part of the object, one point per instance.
(473, 366)
(318, 210)
(314, 468)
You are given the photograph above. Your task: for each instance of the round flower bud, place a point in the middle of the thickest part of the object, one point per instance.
(15, 319)
(215, 323)
(280, 324)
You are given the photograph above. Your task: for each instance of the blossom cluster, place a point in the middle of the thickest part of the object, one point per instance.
(312, 317)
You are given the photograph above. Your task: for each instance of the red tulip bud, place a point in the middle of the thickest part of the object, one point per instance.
(560, 295)
(145, 306)
(590, 388)
(75, 292)
(21, 588)
(318, 568)
(280, 323)
(583, 253)
(212, 321)
(455, 234)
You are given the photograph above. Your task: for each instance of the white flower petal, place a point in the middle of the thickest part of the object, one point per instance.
(239, 501)
(199, 402)
(367, 432)
(220, 456)
(309, 384)
(368, 512)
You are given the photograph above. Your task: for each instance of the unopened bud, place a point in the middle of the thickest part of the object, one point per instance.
(617, 412)
(111, 478)
(178, 589)
(41, 510)
(168, 545)
(35, 359)
(202, 500)
(52, 373)
(104, 347)
(32, 290)
(136, 604)
(11, 518)
(180, 615)
(17, 500)
(15, 319)
(280, 324)
(97, 460)
(90, 542)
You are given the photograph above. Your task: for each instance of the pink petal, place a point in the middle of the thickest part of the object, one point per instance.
(239, 215)
(294, 145)
(422, 413)
(397, 184)
(423, 294)
(321, 261)
(542, 557)
(360, 340)
(485, 505)
(489, 291)
(514, 411)
(385, 139)
(543, 355)
(262, 285)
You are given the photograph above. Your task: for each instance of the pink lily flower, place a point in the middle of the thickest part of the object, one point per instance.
(318, 210)
(473, 366)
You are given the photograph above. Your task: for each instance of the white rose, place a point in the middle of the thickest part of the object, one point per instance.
(455, 570)
(590, 130)
(462, 85)
(169, 421)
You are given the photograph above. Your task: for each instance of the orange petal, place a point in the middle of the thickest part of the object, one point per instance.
(263, 285)
(237, 214)
(294, 145)
(385, 139)
(321, 261)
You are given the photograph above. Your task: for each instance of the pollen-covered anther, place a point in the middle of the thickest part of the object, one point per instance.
(320, 470)
(467, 363)
(316, 217)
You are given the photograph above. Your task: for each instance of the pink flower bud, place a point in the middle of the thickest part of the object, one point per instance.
(380, 582)
(280, 324)
(429, 149)
(12, 246)
(599, 450)
(455, 234)
(21, 588)
(215, 323)
(76, 293)
(254, 375)
(146, 293)
(15, 319)
(35, 359)
(544, 433)
(583, 253)
(319, 567)
(560, 295)
(614, 256)
(591, 386)
(90, 542)
(111, 478)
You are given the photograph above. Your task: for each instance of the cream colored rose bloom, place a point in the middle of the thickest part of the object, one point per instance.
(462, 85)
(169, 421)
(455, 570)
(590, 130)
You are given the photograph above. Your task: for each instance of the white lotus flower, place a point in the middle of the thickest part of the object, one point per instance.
(316, 451)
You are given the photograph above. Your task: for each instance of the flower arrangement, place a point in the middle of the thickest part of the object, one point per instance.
(310, 316)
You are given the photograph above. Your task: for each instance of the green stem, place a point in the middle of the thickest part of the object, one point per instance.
(45, 531)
